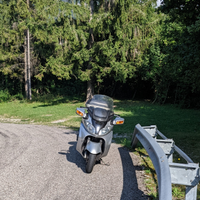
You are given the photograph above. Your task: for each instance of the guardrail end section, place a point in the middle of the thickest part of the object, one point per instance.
(159, 151)
(158, 158)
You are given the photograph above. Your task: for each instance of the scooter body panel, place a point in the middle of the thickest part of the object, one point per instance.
(93, 147)
(81, 138)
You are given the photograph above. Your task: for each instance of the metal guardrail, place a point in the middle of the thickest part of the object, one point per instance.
(161, 153)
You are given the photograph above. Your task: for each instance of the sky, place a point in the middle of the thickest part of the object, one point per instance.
(158, 3)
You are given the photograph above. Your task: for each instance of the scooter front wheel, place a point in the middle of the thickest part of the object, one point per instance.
(90, 162)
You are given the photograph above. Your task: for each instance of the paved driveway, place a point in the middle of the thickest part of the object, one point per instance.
(41, 162)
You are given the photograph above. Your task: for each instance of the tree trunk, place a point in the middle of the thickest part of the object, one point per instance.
(166, 93)
(28, 66)
(28, 62)
(25, 67)
(156, 96)
(90, 90)
(110, 5)
(90, 86)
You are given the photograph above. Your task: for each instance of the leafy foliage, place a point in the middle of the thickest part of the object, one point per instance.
(127, 48)
(180, 45)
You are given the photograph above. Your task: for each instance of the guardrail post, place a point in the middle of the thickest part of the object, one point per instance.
(168, 148)
(191, 193)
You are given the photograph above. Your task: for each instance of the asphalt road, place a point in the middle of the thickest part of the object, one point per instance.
(41, 162)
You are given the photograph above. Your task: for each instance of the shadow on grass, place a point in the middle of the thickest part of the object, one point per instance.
(50, 100)
(148, 167)
(176, 123)
(74, 128)
(143, 113)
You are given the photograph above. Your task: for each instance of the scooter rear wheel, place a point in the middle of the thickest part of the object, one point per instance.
(90, 162)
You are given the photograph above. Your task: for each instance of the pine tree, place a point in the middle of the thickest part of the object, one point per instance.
(122, 32)
(88, 39)
(11, 38)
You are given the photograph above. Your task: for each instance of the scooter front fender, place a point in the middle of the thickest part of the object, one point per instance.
(93, 147)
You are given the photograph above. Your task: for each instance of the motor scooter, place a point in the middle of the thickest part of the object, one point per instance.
(96, 129)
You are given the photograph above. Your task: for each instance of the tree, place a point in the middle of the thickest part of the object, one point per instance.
(90, 86)
(28, 63)
(15, 48)
(86, 40)
(184, 11)
(180, 46)
(53, 30)
(60, 37)
(12, 38)
(110, 43)
(122, 30)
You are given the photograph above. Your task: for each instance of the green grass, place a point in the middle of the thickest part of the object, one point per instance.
(42, 112)
(182, 125)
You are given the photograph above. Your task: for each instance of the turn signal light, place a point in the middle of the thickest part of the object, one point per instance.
(79, 113)
(120, 122)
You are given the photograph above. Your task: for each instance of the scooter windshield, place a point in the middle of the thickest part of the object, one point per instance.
(100, 101)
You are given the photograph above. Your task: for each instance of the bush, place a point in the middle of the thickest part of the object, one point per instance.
(18, 97)
(4, 96)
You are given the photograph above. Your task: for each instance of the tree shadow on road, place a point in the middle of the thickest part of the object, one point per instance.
(130, 184)
(73, 156)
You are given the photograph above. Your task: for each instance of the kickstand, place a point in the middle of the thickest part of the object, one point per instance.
(103, 163)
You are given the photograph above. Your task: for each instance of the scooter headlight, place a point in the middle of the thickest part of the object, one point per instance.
(105, 130)
(89, 127)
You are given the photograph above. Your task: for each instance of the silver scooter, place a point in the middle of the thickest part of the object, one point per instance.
(96, 129)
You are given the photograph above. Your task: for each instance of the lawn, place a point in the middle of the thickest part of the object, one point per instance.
(178, 124)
